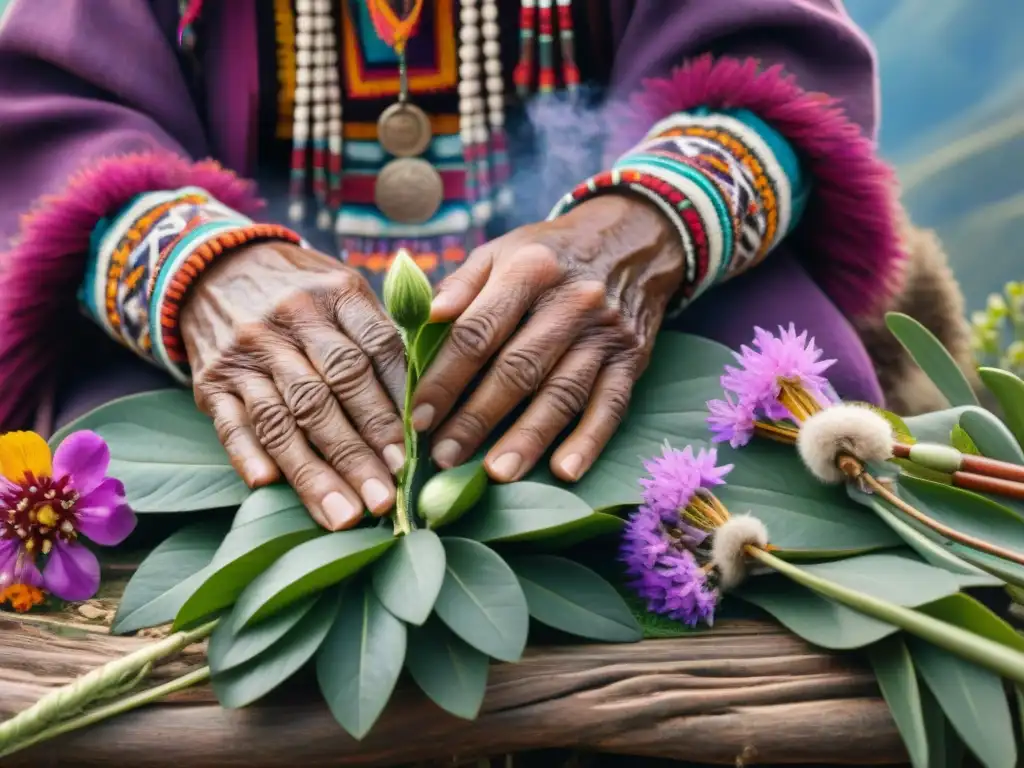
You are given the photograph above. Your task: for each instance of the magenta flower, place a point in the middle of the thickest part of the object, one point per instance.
(663, 571)
(731, 422)
(47, 504)
(676, 475)
(788, 357)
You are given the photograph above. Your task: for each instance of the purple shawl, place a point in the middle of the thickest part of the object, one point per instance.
(95, 108)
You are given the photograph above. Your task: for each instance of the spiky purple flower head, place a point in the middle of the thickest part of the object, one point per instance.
(730, 421)
(790, 356)
(676, 475)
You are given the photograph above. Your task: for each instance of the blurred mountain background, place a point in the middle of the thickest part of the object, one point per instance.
(953, 123)
(952, 76)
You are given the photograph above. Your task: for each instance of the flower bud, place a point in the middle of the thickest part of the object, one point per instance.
(407, 293)
(449, 495)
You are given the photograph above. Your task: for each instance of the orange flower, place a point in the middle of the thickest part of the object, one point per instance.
(22, 597)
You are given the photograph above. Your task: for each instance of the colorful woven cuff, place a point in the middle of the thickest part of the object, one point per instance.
(143, 261)
(730, 186)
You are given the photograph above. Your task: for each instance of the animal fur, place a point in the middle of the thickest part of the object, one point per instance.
(929, 293)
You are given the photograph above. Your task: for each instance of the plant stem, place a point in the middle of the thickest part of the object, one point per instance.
(404, 523)
(98, 714)
(997, 657)
(104, 681)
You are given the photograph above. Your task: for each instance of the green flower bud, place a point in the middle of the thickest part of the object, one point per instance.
(407, 293)
(996, 306)
(449, 495)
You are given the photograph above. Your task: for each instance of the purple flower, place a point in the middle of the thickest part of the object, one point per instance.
(730, 422)
(789, 356)
(663, 571)
(676, 475)
(47, 504)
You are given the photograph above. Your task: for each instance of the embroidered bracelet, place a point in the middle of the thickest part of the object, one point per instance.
(729, 183)
(144, 259)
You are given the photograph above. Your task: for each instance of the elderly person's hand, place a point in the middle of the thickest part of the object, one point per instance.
(300, 368)
(563, 313)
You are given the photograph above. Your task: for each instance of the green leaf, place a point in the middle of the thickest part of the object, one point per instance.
(965, 511)
(241, 686)
(427, 344)
(574, 599)
(231, 645)
(598, 524)
(900, 430)
(897, 680)
(1011, 573)
(360, 661)
(310, 567)
(408, 579)
(1008, 391)
(266, 502)
(168, 576)
(962, 441)
(449, 671)
(449, 495)
(932, 357)
(945, 748)
(974, 701)
(481, 600)
(964, 611)
(669, 402)
(896, 578)
(924, 543)
(165, 452)
(991, 436)
(246, 552)
(523, 511)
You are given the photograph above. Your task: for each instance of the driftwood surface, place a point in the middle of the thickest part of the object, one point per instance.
(743, 693)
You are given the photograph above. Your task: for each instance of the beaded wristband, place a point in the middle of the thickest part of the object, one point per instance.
(726, 183)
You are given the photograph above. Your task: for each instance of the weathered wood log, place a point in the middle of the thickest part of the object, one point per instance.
(742, 691)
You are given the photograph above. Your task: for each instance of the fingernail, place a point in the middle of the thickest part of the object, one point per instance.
(446, 453)
(443, 304)
(571, 466)
(255, 471)
(506, 466)
(394, 457)
(376, 495)
(340, 510)
(422, 417)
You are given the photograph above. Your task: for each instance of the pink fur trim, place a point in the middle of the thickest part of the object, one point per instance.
(848, 235)
(41, 272)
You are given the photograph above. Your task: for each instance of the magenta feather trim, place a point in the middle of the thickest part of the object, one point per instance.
(848, 235)
(40, 274)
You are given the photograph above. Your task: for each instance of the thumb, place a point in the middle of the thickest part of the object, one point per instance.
(458, 290)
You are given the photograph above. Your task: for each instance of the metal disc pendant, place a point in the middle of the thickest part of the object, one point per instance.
(403, 129)
(409, 190)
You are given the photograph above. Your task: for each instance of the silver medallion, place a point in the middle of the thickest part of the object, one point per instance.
(409, 190)
(403, 130)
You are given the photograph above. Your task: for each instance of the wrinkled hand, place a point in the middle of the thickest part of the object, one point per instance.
(564, 313)
(300, 368)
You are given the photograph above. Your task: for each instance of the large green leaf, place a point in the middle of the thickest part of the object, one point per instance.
(897, 680)
(974, 701)
(449, 495)
(964, 611)
(360, 661)
(165, 452)
(168, 576)
(522, 512)
(991, 436)
(945, 749)
(481, 600)
(927, 545)
(247, 551)
(669, 403)
(574, 599)
(933, 358)
(965, 511)
(408, 579)
(1009, 392)
(232, 645)
(448, 670)
(310, 567)
(896, 578)
(266, 502)
(598, 524)
(1010, 572)
(242, 685)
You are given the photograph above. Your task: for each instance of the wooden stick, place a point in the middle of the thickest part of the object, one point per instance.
(975, 465)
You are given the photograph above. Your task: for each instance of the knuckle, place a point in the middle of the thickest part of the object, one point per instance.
(539, 260)
(344, 282)
(534, 435)
(273, 424)
(567, 395)
(347, 456)
(472, 336)
(307, 397)
(382, 341)
(471, 424)
(380, 427)
(345, 368)
(590, 295)
(519, 370)
(305, 478)
(251, 335)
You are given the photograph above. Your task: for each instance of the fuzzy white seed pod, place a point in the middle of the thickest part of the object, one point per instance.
(727, 546)
(850, 429)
